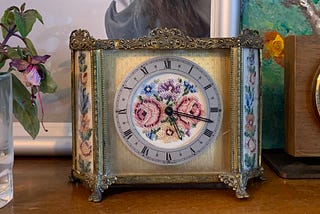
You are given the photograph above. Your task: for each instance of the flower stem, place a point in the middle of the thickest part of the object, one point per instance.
(42, 110)
(10, 33)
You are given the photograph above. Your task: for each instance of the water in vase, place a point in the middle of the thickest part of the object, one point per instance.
(6, 180)
(6, 143)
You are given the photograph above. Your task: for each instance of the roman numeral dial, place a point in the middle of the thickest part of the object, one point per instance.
(168, 110)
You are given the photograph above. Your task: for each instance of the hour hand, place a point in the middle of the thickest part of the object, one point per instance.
(173, 122)
(192, 116)
(168, 112)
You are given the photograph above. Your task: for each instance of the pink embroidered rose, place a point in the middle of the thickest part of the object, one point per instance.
(85, 148)
(189, 105)
(250, 127)
(251, 144)
(148, 113)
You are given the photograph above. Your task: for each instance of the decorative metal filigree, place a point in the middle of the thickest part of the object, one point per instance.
(100, 184)
(238, 181)
(250, 39)
(164, 38)
(97, 183)
(81, 40)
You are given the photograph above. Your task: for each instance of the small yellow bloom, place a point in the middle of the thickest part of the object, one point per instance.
(168, 134)
(274, 47)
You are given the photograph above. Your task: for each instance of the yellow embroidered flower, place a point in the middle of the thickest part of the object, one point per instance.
(167, 133)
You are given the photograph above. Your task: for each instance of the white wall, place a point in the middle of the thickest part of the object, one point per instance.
(60, 18)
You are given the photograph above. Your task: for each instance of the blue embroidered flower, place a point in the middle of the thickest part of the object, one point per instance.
(149, 89)
(151, 135)
(189, 87)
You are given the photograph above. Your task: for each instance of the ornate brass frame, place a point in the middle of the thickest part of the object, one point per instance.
(87, 55)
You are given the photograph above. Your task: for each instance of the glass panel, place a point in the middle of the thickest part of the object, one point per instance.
(217, 157)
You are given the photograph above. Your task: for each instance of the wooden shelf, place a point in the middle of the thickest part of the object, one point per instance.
(42, 186)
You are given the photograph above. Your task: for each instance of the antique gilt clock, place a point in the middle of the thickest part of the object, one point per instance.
(166, 109)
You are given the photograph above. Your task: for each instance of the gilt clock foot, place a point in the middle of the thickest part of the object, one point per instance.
(96, 196)
(240, 193)
(237, 182)
(262, 178)
(73, 178)
(102, 184)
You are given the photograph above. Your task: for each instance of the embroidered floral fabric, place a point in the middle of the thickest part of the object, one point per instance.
(149, 109)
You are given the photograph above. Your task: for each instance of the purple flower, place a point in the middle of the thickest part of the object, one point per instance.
(33, 74)
(169, 90)
(30, 68)
(32, 77)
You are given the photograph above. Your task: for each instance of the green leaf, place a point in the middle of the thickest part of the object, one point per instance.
(23, 6)
(35, 14)
(8, 20)
(3, 59)
(30, 46)
(12, 53)
(48, 85)
(25, 21)
(2, 64)
(23, 109)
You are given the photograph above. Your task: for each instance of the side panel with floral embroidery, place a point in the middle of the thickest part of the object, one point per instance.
(84, 141)
(250, 108)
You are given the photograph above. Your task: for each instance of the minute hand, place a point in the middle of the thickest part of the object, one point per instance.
(192, 116)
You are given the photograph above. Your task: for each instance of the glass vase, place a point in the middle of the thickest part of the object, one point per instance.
(6, 142)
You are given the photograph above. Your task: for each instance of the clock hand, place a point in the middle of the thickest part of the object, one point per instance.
(192, 116)
(168, 110)
(173, 122)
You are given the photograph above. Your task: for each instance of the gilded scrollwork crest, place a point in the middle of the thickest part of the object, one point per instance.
(81, 40)
(250, 38)
(164, 38)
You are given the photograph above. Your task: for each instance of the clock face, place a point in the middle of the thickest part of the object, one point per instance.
(168, 110)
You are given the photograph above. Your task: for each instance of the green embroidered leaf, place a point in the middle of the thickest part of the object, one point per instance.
(85, 166)
(85, 135)
(84, 100)
(250, 160)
